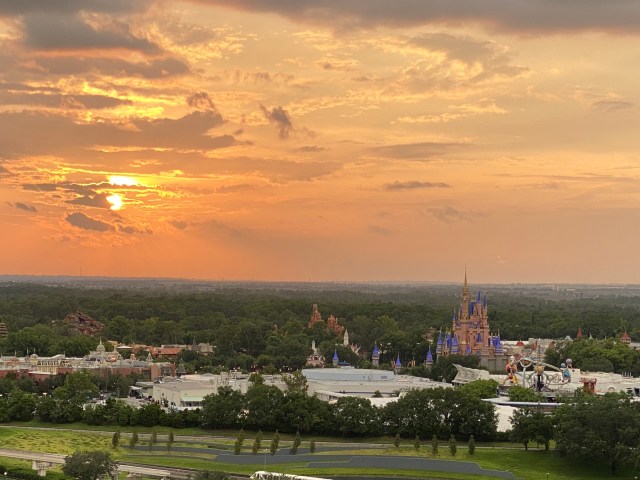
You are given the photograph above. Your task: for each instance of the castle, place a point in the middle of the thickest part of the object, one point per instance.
(470, 334)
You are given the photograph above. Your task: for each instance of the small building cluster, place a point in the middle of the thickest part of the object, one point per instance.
(98, 362)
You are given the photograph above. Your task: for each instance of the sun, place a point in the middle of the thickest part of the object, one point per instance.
(116, 201)
(123, 181)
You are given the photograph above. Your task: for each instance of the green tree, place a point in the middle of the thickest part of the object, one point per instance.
(312, 446)
(416, 443)
(237, 447)
(222, 410)
(133, 441)
(21, 405)
(211, 475)
(434, 445)
(604, 428)
(396, 441)
(453, 447)
(480, 388)
(115, 439)
(257, 443)
(296, 382)
(170, 440)
(275, 441)
(153, 439)
(150, 415)
(518, 393)
(296, 443)
(89, 465)
(78, 388)
(471, 447)
(356, 416)
(263, 407)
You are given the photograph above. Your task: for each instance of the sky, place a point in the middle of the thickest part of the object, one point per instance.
(321, 140)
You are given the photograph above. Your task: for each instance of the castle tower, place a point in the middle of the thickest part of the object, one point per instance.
(375, 356)
(315, 317)
(429, 360)
(625, 338)
(470, 325)
(345, 339)
(334, 326)
(397, 366)
(335, 359)
(455, 349)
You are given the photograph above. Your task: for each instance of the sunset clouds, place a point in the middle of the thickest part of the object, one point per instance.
(320, 139)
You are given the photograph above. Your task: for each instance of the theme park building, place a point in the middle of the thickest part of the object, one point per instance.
(470, 334)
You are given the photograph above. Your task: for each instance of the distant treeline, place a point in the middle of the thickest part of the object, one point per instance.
(268, 326)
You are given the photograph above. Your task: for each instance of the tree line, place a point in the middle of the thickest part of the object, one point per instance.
(267, 328)
(587, 427)
(424, 413)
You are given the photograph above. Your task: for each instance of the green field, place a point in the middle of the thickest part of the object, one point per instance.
(529, 465)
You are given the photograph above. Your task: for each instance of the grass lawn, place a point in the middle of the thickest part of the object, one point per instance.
(529, 465)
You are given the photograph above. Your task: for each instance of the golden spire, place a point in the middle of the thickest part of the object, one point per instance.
(465, 287)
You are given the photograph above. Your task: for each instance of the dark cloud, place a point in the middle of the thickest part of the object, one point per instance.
(280, 117)
(180, 225)
(511, 16)
(612, 105)
(130, 229)
(310, 149)
(235, 188)
(63, 101)
(491, 57)
(40, 187)
(22, 7)
(201, 101)
(47, 32)
(80, 220)
(22, 87)
(217, 228)
(415, 151)
(450, 214)
(150, 69)
(58, 135)
(23, 206)
(99, 200)
(413, 185)
(84, 190)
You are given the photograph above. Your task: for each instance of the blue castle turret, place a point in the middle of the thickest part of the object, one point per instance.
(375, 356)
(439, 344)
(397, 365)
(335, 359)
(429, 361)
(498, 346)
(455, 349)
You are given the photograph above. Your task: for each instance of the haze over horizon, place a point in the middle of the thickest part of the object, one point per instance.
(321, 140)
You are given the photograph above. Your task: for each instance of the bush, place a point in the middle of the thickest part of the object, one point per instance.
(453, 447)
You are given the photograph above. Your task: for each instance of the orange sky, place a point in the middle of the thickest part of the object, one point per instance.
(321, 139)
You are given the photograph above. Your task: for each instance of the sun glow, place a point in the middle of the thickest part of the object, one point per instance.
(122, 181)
(116, 201)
